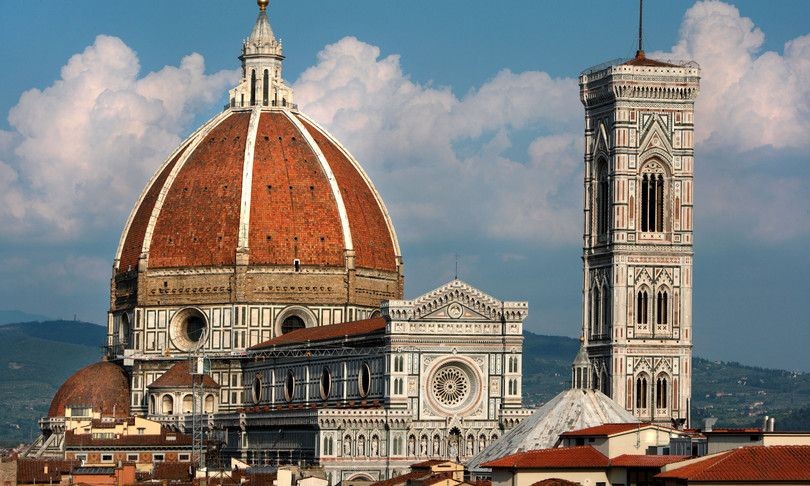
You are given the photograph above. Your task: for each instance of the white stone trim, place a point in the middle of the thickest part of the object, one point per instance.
(137, 206)
(247, 178)
(327, 170)
(365, 177)
(195, 138)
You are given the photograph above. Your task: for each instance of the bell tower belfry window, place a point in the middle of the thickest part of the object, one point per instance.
(637, 241)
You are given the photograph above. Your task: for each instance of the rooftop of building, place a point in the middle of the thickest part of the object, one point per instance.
(179, 376)
(325, 333)
(747, 464)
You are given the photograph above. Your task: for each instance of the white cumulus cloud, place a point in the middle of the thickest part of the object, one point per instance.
(81, 149)
(443, 161)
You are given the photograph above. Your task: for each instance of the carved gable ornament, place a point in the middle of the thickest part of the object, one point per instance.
(456, 300)
(655, 136)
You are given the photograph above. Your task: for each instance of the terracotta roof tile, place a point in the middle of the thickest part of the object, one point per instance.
(748, 464)
(556, 482)
(642, 460)
(428, 463)
(103, 386)
(133, 243)
(179, 376)
(174, 471)
(373, 241)
(402, 479)
(198, 224)
(323, 333)
(642, 60)
(290, 193)
(163, 440)
(606, 429)
(30, 471)
(564, 458)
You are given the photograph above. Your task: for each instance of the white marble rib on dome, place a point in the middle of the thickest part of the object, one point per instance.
(570, 410)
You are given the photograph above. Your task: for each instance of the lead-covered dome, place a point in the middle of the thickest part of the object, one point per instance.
(102, 387)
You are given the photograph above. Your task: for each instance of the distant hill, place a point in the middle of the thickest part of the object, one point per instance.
(738, 395)
(36, 357)
(12, 316)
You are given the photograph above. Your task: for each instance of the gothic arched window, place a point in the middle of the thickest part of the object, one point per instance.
(596, 312)
(660, 392)
(252, 87)
(602, 198)
(641, 307)
(662, 308)
(605, 321)
(652, 202)
(641, 391)
(266, 88)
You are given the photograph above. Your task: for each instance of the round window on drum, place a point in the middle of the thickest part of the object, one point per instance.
(326, 383)
(292, 323)
(364, 380)
(256, 390)
(289, 387)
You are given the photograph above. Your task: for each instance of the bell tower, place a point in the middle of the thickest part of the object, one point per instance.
(637, 243)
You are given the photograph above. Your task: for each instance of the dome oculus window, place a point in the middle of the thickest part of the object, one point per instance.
(292, 323)
(289, 387)
(326, 383)
(188, 328)
(256, 390)
(364, 380)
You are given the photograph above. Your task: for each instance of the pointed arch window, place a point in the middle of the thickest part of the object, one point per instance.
(605, 322)
(642, 301)
(641, 392)
(266, 88)
(652, 202)
(661, 386)
(662, 308)
(602, 198)
(596, 312)
(252, 87)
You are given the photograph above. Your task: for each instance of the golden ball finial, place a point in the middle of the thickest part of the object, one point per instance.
(263, 4)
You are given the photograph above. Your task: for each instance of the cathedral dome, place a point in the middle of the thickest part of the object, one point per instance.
(269, 184)
(102, 386)
(259, 205)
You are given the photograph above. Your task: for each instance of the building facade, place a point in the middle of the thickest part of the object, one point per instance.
(436, 377)
(256, 306)
(637, 245)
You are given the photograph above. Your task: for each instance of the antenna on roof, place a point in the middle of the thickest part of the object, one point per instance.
(640, 51)
(456, 276)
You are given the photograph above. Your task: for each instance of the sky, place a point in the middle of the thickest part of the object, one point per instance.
(464, 113)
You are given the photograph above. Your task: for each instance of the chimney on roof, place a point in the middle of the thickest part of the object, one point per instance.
(708, 423)
(771, 424)
(765, 424)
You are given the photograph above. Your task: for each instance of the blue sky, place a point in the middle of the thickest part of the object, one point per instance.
(495, 179)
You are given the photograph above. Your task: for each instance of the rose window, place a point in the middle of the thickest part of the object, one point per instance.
(451, 385)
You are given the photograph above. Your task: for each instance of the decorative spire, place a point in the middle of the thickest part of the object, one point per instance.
(261, 58)
(581, 368)
(640, 51)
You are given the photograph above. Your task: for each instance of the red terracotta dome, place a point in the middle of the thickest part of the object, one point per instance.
(266, 183)
(102, 386)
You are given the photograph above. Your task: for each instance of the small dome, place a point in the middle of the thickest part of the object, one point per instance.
(102, 386)
(569, 410)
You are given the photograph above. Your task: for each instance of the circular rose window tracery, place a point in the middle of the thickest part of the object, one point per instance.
(451, 385)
